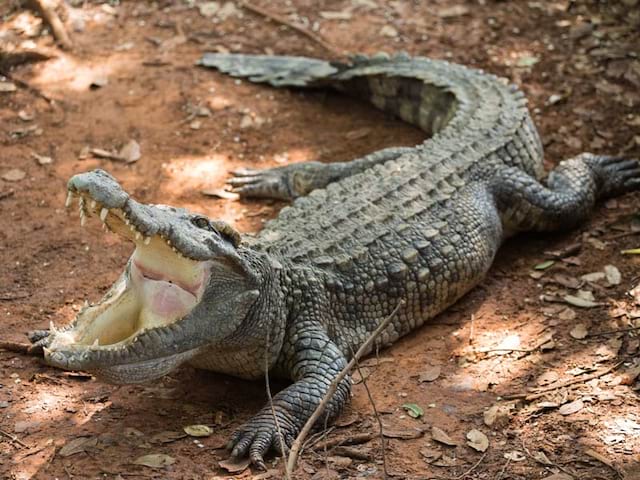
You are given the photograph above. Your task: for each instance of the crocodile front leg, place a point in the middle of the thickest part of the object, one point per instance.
(313, 361)
(296, 180)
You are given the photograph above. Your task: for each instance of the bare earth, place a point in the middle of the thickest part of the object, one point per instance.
(513, 335)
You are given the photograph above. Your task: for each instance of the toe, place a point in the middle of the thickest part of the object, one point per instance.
(244, 172)
(235, 181)
(243, 444)
(260, 446)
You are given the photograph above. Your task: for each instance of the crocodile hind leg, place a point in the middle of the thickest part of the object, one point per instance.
(571, 192)
(293, 181)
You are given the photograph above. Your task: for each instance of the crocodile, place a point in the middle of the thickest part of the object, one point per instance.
(404, 230)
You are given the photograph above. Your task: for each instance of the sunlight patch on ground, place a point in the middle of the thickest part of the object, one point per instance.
(195, 172)
(67, 73)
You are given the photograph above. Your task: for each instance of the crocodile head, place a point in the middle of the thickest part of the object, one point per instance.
(184, 287)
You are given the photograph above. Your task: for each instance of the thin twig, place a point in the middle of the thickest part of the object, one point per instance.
(356, 439)
(622, 235)
(612, 332)
(560, 467)
(473, 467)
(7, 194)
(377, 415)
(13, 438)
(295, 448)
(273, 409)
(23, 348)
(27, 86)
(282, 20)
(51, 18)
(503, 469)
(542, 391)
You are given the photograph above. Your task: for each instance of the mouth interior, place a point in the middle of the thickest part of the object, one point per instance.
(159, 287)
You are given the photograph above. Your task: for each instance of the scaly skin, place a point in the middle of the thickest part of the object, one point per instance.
(415, 225)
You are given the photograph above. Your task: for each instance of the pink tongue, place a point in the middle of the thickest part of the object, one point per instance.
(168, 299)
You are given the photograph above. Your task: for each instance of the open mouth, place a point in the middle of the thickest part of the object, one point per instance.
(159, 286)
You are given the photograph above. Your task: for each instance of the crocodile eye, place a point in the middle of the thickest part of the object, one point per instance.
(202, 222)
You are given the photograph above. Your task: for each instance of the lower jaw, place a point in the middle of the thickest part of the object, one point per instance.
(142, 371)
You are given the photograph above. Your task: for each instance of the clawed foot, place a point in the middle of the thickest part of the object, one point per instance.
(260, 435)
(616, 175)
(282, 183)
(270, 183)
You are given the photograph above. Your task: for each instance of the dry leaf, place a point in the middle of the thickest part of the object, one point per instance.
(166, 437)
(593, 277)
(77, 445)
(496, 414)
(613, 274)
(198, 430)
(444, 461)
(566, 281)
(235, 465)
(440, 436)
(515, 456)
(580, 302)
(430, 455)
(599, 457)
(14, 175)
(541, 457)
(155, 460)
(430, 374)
(567, 314)
(42, 159)
(130, 152)
(579, 332)
(477, 440)
(26, 116)
(388, 31)
(571, 407)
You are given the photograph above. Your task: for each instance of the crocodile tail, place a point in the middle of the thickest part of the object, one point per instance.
(395, 84)
(279, 71)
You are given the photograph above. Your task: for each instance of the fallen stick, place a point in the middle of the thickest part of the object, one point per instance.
(295, 448)
(47, 11)
(13, 438)
(279, 19)
(542, 391)
(23, 348)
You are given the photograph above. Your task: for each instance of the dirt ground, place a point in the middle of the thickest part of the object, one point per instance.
(479, 366)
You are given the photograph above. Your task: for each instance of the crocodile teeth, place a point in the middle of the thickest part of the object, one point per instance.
(147, 240)
(103, 214)
(126, 221)
(93, 204)
(96, 343)
(138, 235)
(132, 228)
(52, 327)
(67, 202)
